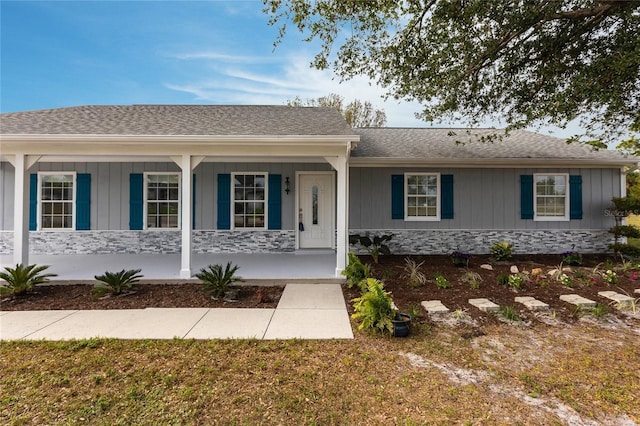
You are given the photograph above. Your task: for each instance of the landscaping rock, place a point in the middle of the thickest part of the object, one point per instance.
(532, 303)
(487, 267)
(577, 300)
(622, 300)
(484, 305)
(536, 271)
(514, 269)
(434, 307)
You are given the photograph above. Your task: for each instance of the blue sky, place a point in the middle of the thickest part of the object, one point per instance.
(66, 53)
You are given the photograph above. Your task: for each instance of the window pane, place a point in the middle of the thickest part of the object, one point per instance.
(249, 197)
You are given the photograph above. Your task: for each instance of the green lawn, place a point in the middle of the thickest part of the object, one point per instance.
(635, 221)
(434, 377)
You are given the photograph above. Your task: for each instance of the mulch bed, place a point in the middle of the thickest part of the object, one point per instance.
(187, 295)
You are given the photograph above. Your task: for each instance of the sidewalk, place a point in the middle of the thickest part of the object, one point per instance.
(305, 311)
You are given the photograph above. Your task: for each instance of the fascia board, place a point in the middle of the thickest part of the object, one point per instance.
(489, 162)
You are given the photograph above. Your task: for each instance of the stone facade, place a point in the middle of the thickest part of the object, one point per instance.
(549, 241)
(152, 241)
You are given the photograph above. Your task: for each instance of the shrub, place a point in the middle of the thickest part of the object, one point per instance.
(374, 246)
(413, 274)
(374, 309)
(115, 283)
(572, 258)
(460, 259)
(515, 281)
(472, 278)
(22, 279)
(216, 280)
(501, 250)
(356, 272)
(441, 281)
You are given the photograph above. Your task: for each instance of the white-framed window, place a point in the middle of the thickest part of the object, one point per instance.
(551, 196)
(56, 200)
(422, 196)
(249, 200)
(162, 200)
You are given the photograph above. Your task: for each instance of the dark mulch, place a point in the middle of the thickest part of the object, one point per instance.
(187, 295)
(391, 270)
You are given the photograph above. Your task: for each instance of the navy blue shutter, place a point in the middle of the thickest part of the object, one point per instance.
(275, 202)
(136, 201)
(575, 197)
(397, 196)
(83, 201)
(224, 201)
(526, 196)
(193, 203)
(33, 202)
(446, 194)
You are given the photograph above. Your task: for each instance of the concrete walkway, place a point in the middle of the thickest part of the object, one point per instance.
(305, 311)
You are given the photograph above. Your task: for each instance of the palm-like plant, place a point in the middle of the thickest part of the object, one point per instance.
(217, 280)
(374, 309)
(115, 283)
(22, 279)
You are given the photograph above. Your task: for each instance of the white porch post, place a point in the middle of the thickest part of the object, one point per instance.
(342, 209)
(21, 210)
(187, 215)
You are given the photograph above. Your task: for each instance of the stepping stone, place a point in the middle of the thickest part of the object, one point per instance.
(434, 307)
(637, 291)
(514, 269)
(487, 267)
(622, 300)
(576, 299)
(484, 305)
(532, 303)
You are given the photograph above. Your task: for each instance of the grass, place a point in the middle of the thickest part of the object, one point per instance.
(367, 380)
(635, 221)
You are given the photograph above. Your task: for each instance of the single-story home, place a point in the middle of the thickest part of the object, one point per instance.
(262, 179)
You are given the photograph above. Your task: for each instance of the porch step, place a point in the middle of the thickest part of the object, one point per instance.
(622, 300)
(532, 303)
(434, 307)
(577, 300)
(484, 305)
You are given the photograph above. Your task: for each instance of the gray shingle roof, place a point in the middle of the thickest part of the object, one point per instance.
(440, 144)
(176, 120)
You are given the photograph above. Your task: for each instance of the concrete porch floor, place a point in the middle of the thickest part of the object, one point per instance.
(259, 266)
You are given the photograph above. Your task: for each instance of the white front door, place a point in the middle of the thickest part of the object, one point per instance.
(315, 210)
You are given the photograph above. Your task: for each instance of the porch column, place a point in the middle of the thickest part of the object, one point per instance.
(21, 210)
(342, 215)
(187, 215)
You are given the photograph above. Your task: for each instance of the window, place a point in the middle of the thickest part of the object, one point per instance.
(422, 200)
(249, 200)
(57, 200)
(551, 200)
(162, 202)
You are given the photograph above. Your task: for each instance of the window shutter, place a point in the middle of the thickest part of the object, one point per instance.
(193, 202)
(275, 202)
(136, 201)
(83, 201)
(397, 196)
(224, 201)
(575, 197)
(446, 194)
(526, 196)
(33, 202)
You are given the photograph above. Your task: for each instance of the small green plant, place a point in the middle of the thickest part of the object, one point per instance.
(610, 277)
(441, 281)
(22, 279)
(356, 272)
(374, 309)
(508, 313)
(501, 250)
(412, 272)
(115, 283)
(459, 314)
(216, 280)
(414, 311)
(566, 280)
(374, 246)
(472, 278)
(503, 279)
(460, 259)
(515, 281)
(572, 258)
(600, 310)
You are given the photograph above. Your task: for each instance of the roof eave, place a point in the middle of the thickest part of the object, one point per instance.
(490, 162)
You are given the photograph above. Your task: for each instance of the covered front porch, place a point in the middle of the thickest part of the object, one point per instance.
(299, 266)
